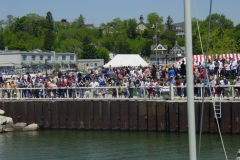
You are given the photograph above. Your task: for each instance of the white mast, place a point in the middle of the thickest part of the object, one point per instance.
(189, 70)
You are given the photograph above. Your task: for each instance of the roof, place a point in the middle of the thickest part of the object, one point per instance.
(121, 60)
(164, 47)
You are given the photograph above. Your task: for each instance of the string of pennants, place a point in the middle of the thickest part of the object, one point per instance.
(202, 58)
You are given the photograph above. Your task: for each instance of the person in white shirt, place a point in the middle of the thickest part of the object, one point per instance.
(211, 69)
(94, 84)
(227, 70)
(234, 67)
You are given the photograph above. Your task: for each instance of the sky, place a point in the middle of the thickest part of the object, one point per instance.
(104, 11)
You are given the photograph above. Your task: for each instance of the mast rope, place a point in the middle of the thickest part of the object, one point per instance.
(206, 76)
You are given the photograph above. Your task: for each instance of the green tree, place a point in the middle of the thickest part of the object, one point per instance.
(89, 52)
(50, 20)
(102, 53)
(49, 34)
(2, 22)
(169, 25)
(130, 26)
(79, 22)
(48, 40)
(237, 37)
(2, 47)
(10, 22)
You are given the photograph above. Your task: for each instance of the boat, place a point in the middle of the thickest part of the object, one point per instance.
(238, 155)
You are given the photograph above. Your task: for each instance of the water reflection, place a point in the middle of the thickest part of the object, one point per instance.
(75, 144)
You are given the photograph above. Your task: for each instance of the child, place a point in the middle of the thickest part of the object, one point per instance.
(15, 92)
(114, 93)
(120, 92)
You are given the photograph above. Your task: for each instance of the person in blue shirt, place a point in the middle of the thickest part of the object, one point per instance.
(171, 73)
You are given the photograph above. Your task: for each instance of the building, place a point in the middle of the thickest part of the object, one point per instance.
(157, 51)
(141, 25)
(91, 26)
(180, 29)
(84, 64)
(177, 53)
(163, 57)
(37, 60)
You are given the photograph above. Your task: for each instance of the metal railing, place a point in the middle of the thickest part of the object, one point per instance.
(159, 92)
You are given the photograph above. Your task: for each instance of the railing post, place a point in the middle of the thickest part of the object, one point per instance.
(172, 91)
(201, 91)
(67, 96)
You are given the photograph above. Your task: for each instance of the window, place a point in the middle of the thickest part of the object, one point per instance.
(41, 57)
(87, 64)
(72, 57)
(56, 58)
(63, 57)
(90, 64)
(95, 64)
(48, 57)
(24, 57)
(33, 57)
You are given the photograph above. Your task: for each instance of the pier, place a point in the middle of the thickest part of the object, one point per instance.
(122, 114)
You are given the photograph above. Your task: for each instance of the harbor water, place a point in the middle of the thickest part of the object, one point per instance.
(76, 144)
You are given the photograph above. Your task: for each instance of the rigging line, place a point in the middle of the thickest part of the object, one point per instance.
(199, 34)
(205, 76)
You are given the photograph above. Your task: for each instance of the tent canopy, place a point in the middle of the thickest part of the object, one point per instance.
(121, 60)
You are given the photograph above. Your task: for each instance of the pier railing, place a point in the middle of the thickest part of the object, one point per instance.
(159, 92)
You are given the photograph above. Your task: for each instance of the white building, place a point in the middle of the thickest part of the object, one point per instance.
(37, 60)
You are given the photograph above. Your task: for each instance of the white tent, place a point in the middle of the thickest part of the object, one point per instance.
(121, 60)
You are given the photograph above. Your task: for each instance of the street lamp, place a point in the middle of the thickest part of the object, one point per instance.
(166, 57)
(46, 65)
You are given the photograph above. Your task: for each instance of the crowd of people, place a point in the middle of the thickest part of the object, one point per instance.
(125, 81)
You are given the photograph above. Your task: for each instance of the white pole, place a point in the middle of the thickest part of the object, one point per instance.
(190, 98)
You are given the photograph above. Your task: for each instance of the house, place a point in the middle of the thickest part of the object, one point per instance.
(157, 51)
(141, 25)
(89, 26)
(63, 22)
(174, 55)
(177, 52)
(180, 29)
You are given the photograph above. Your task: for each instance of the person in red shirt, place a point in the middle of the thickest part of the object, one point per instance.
(179, 88)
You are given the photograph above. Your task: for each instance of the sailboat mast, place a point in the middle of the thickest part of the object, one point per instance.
(189, 71)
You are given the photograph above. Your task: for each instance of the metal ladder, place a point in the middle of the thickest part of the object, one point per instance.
(217, 106)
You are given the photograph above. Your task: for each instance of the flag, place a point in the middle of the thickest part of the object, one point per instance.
(154, 36)
(154, 26)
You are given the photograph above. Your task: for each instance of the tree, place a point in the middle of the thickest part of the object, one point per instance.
(237, 36)
(154, 18)
(10, 21)
(89, 52)
(79, 22)
(48, 40)
(49, 34)
(102, 53)
(169, 37)
(50, 20)
(169, 24)
(2, 22)
(2, 47)
(130, 26)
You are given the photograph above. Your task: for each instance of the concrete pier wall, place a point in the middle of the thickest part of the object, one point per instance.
(168, 116)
